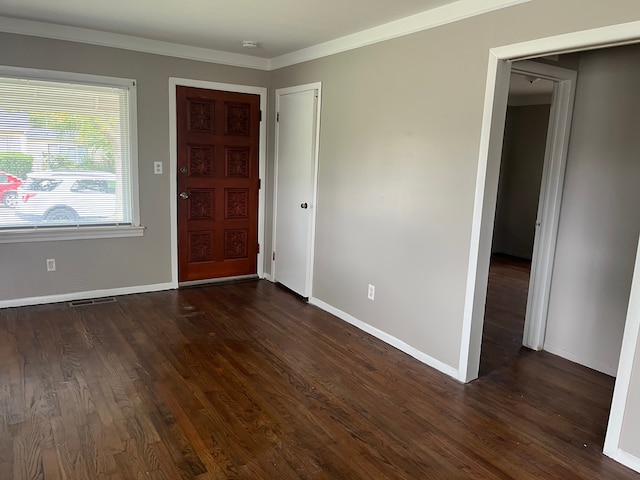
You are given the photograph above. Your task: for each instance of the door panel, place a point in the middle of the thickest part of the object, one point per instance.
(218, 183)
(295, 189)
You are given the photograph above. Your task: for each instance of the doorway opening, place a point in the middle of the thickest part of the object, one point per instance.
(487, 186)
(519, 186)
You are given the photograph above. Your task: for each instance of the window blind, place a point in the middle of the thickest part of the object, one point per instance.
(65, 151)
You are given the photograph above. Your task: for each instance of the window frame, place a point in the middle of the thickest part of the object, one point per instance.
(86, 231)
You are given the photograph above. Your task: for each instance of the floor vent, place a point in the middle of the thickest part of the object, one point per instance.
(91, 301)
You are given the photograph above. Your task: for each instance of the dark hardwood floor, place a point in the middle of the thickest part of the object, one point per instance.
(247, 381)
(504, 312)
(575, 394)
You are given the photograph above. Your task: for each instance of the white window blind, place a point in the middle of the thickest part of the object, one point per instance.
(68, 151)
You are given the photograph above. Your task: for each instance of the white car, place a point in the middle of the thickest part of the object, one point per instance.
(64, 196)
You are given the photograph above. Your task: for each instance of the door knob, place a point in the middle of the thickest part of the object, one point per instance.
(184, 195)
(303, 205)
(183, 169)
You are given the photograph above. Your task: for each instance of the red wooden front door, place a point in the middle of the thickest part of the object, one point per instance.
(218, 183)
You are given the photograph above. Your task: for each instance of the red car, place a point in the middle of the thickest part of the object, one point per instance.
(8, 189)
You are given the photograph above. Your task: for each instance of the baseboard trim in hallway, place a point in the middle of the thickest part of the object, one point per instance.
(390, 339)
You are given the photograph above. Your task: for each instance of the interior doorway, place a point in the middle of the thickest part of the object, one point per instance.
(614, 102)
(532, 164)
(519, 186)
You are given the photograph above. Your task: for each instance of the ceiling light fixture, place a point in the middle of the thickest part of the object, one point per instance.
(249, 44)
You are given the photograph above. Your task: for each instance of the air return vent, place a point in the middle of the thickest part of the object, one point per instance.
(92, 301)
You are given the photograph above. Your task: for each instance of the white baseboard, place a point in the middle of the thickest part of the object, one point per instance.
(611, 370)
(390, 339)
(68, 297)
(626, 459)
(267, 276)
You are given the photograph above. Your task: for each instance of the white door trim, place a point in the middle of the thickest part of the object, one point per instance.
(493, 121)
(551, 186)
(173, 162)
(317, 86)
(623, 378)
(484, 208)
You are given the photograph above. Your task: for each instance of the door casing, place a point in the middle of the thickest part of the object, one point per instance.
(551, 187)
(173, 162)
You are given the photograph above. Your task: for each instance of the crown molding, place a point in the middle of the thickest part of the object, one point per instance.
(436, 17)
(449, 13)
(128, 42)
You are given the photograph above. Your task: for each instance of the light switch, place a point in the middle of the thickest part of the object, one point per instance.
(157, 168)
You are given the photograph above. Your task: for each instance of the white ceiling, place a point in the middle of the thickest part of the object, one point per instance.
(210, 27)
(280, 26)
(528, 90)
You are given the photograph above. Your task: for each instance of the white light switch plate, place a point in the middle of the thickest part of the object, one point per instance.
(157, 168)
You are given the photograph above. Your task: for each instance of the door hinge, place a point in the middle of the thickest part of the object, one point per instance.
(258, 248)
(278, 117)
(274, 256)
(260, 115)
(259, 183)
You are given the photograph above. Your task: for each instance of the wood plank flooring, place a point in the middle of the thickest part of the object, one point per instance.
(504, 312)
(247, 381)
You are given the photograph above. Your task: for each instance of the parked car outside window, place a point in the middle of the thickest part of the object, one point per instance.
(9, 189)
(67, 196)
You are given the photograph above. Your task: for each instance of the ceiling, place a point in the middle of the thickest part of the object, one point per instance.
(529, 90)
(213, 30)
(279, 26)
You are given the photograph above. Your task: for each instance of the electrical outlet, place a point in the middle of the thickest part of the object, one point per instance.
(51, 264)
(157, 168)
(371, 294)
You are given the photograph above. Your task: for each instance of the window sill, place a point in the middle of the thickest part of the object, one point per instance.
(51, 234)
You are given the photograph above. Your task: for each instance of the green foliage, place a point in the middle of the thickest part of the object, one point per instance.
(16, 163)
(63, 162)
(58, 162)
(91, 131)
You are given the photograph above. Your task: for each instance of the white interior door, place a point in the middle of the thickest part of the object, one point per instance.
(296, 165)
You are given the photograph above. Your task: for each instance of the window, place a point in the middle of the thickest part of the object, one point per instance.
(68, 154)
(73, 154)
(9, 143)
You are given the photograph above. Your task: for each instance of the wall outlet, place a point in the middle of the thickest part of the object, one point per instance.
(371, 294)
(51, 264)
(157, 168)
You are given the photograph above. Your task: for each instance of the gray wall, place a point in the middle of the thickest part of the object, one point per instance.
(102, 264)
(399, 146)
(600, 213)
(520, 175)
(394, 185)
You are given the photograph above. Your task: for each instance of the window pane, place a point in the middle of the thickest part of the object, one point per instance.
(64, 154)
